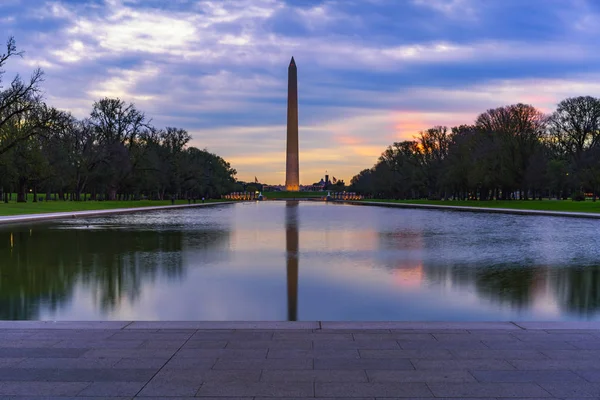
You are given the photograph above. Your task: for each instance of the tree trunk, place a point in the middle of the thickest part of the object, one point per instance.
(21, 193)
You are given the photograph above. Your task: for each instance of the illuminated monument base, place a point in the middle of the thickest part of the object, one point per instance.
(292, 173)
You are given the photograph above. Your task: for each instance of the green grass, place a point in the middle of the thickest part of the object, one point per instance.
(545, 205)
(13, 208)
(291, 195)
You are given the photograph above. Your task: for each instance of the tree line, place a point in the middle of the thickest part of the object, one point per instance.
(514, 151)
(113, 154)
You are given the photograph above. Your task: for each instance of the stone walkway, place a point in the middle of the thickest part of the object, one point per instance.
(253, 360)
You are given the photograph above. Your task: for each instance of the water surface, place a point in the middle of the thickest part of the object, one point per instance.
(302, 261)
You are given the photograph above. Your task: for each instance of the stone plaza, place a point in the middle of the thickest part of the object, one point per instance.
(299, 360)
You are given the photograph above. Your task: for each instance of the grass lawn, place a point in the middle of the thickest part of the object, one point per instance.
(291, 195)
(545, 205)
(13, 208)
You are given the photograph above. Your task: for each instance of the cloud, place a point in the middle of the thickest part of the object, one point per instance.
(450, 8)
(370, 73)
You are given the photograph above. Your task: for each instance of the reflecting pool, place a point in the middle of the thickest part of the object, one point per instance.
(280, 260)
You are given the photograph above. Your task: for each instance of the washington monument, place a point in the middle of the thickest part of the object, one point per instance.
(292, 169)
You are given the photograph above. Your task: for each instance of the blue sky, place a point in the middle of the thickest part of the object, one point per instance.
(370, 72)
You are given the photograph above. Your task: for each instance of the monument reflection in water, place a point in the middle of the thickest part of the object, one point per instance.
(291, 256)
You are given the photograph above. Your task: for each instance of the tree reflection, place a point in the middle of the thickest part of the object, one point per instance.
(578, 289)
(291, 247)
(42, 266)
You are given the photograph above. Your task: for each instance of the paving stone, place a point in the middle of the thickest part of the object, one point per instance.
(266, 389)
(419, 353)
(76, 375)
(200, 376)
(164, 388)
(42, 388)
(28, 343)
(433, 331)
(98, 344)
(286, 335)
(571, 331)
(418, 325)
(357, 389)
(480, 364)
(224, 325)
(423, 376)
(314, 376)
(362, 344)
(205, 344)
(270, 344)
(186, 363)
(190, 331)
(70, 325)
(67, 363)
(352, 331)
(590, 375)
(496, 390)
(162, 344)
(572, 354)
(573, 364)
(536, 336)
(112, 389)
(200, 398)
(222, 353)
(477, 336)
(88, 334)
(321, 353)
(586, 344)
(7, 362)
(65, 397)
(500, 354)
(570, 325)
(266, 364)
(40, 353)
(167, 336)
(243, 335)
(136, 363)
(520, 345)
(445, 345)
(362, 363)
(548, 375)
(559, 389)
(318, 398)
(126, 353)
(411, 337)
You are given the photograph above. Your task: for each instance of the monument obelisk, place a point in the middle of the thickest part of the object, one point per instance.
(292, 173)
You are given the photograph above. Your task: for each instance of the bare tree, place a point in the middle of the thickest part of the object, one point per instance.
(18, 100)
(575, 126)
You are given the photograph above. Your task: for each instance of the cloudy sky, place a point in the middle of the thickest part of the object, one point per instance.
(370, 72)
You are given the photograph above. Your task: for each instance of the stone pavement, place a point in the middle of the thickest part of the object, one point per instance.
(256, 360)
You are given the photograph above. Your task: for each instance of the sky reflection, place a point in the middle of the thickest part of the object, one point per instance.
(304, 261)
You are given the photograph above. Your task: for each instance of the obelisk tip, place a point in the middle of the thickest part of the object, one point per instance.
(292, 62)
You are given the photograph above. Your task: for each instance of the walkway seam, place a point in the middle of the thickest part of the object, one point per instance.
(517, 325)
(127, 325)
(166, 362)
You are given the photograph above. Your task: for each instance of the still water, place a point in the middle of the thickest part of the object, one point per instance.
(302, 261)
